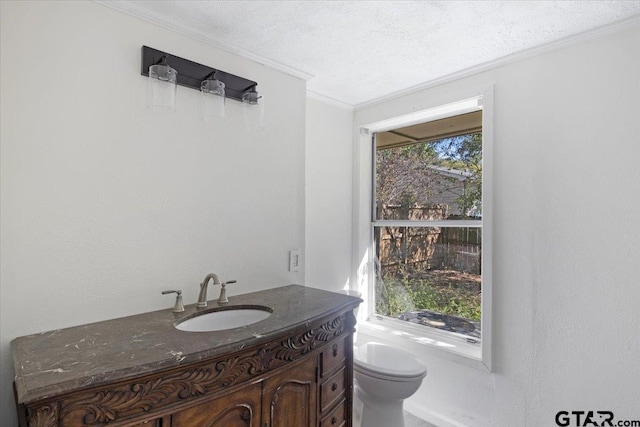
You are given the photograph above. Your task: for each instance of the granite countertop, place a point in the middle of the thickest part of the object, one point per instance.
(64, 360)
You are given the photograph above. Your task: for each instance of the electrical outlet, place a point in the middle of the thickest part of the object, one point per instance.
(294, 260)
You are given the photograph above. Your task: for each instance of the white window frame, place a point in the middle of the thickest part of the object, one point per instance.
(363, 280)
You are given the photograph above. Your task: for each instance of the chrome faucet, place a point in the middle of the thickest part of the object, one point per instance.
(202, 297)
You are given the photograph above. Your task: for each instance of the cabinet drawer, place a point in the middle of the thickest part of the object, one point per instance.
(332, 357)
(332, 389)
(336, 418)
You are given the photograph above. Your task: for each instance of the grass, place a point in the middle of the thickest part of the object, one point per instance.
(443, 291)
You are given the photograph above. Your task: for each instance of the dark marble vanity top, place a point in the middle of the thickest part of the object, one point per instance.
(64, 360)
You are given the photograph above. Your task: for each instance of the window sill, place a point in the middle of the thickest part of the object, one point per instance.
(393, 332)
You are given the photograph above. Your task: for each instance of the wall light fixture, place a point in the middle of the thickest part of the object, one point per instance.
(213, 97)
(161, 93)
(253, 109)
(165, 71)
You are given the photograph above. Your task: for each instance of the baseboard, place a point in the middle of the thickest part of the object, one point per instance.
(431, 417)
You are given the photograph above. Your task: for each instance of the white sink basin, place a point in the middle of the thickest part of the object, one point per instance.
(225, 318)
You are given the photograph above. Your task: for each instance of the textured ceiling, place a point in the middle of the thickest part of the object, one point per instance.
(357, 51)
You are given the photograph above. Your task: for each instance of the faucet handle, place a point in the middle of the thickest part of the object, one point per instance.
(178, 307)
(223, 292)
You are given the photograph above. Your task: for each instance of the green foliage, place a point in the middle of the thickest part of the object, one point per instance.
(465, 153)
(395, 296)
(412, 174)
(461, 152)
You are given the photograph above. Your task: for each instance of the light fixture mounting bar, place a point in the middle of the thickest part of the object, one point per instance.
(191, 74)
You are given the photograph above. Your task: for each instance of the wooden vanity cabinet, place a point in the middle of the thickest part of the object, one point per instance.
(284, 399)
(240, 408)
(336, 383)
(289, 398)
(301, 378)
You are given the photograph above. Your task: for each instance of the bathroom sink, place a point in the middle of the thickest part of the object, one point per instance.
(220, 319)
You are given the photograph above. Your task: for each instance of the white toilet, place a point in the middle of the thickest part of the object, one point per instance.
(384, 377)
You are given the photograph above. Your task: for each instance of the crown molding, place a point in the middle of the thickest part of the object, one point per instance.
(129, 8)
(329, 100)
(509, 59)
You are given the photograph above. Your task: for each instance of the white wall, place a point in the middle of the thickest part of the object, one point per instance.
(328, 195)
(566, 242)
(105, 204)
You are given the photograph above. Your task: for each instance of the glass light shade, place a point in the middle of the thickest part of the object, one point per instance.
(253, 109)
(212, 99)
(161, 93)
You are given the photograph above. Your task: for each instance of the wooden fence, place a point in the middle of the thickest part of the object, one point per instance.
(407, 249)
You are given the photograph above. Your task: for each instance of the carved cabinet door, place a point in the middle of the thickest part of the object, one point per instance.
(289, 398)
(238, 409)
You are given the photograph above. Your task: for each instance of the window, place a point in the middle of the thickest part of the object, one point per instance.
(427, 224)
(429, 244)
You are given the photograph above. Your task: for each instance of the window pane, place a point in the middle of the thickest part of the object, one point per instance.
(430, 276)
(432, 180)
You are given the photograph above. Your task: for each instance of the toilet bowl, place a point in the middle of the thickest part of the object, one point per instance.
(385, 376)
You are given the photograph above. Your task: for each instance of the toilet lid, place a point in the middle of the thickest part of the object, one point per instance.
(384, 360)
